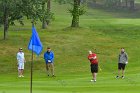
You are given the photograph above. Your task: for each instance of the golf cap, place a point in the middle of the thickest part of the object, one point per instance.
(20, 48)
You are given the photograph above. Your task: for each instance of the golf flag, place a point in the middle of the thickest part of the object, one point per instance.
(35, 44)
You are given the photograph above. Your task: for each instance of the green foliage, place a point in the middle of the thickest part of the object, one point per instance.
(13, 10)
(36, 10)
(45, 14)
(81, 10)
(32, 9)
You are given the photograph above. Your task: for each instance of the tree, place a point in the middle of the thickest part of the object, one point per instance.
(9, 12)
(132, 4)
(47, 15)
(126, 3)
(32, 9)
(44, 13)
(76, 12)
(48, 11)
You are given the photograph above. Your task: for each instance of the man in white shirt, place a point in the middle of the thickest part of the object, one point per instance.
(20, 62)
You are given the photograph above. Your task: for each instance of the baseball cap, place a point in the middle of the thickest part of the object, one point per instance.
(20, 48)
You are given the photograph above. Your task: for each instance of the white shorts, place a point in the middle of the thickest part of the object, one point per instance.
(20, 65)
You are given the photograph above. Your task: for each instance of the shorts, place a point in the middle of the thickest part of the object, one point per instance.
(94, 68)
(121, 66)
(50, 65)
(20, 66)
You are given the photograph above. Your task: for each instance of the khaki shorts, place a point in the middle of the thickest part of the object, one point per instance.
(50, 65)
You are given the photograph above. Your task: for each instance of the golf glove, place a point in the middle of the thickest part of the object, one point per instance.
(49, 60)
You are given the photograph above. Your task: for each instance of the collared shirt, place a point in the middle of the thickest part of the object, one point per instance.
(20, 57)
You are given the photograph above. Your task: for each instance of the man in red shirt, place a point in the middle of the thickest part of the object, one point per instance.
(94, 64)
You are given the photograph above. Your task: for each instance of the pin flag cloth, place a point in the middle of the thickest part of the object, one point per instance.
(35, 44)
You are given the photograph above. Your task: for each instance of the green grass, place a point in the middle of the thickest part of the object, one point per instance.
(106, 33)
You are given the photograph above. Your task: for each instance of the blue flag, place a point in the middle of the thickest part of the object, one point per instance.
(35, 44)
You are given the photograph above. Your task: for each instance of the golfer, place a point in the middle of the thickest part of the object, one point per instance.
(20, 62)
(122, 61)
(94, 65)
(49, 59)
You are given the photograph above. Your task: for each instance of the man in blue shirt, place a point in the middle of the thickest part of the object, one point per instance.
(49, 59)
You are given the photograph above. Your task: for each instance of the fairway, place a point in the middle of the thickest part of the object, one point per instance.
(101, 31)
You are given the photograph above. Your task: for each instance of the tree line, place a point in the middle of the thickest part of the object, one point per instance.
(12, 10)
(130, 4)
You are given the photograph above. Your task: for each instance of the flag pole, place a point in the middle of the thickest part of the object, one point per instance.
(31, 68)
(35, 45)
(31, 71)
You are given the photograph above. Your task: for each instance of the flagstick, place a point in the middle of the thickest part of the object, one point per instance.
(32, 65)
(31, 71)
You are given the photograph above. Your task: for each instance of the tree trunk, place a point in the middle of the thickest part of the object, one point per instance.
(44, 23)
(126, 3)
(119, 3)
(75, 14)
(132, 4)
(5, 21)
(48, 11)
